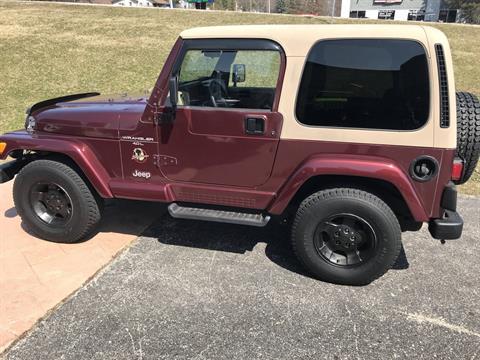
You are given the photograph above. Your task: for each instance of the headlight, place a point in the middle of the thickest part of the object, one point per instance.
(30, 124)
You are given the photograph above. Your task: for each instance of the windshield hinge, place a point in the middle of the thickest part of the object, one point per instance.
(164, 160)
(156, 115)
(156, 161)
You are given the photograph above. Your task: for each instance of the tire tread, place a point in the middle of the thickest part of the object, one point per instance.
(468, 133)
(93, 209)
(355, 194)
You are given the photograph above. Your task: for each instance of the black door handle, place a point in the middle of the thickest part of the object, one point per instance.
(254, 125)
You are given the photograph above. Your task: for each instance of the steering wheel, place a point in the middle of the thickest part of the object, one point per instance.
(218, 92)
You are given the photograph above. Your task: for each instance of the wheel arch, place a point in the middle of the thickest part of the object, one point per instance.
(380, 188)
(381, 177)
(73, 153)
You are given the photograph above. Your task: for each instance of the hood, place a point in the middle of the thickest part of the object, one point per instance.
(87, 114)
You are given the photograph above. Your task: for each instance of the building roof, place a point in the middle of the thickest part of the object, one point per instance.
(296, 40)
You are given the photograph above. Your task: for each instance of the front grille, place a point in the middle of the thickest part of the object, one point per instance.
(443, 82)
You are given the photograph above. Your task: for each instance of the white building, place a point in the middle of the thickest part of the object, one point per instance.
(420, 10)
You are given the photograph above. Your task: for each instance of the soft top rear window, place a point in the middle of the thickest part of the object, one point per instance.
(365, 83)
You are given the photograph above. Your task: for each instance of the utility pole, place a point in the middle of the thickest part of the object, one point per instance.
(333, 8)
(269, 6)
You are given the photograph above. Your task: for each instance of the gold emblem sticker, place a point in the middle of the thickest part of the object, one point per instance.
(139, 155)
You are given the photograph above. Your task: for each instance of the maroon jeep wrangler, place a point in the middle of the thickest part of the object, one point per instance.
(354, 133)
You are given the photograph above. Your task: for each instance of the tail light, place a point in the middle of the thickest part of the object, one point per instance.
(457, 169)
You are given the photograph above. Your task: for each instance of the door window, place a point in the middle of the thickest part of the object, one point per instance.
(229, 78)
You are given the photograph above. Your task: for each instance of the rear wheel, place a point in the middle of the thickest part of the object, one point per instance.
(468, 133)
(55, 202)
(346, 236)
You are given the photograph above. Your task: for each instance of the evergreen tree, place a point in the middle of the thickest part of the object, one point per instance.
(281, 6)
(470, 9)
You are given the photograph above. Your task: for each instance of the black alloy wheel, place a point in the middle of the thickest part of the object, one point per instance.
(51, 203)
(345, 240)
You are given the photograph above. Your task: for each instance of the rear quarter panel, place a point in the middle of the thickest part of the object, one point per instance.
(298, 160)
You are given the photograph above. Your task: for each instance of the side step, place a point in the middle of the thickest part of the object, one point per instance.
(182, 212)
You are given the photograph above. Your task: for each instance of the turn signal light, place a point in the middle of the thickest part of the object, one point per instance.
(2, 147)
(457, 169)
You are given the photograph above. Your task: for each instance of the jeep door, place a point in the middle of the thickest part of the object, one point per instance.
(226, 128)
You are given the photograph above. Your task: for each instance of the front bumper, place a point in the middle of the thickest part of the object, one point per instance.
(9, 169)
(450, 226)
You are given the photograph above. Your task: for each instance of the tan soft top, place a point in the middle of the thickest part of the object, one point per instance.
(296, 40)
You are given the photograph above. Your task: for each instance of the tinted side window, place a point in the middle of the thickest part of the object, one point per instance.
(372, 84)
(198, 65)
(261, 68)
(229, 78)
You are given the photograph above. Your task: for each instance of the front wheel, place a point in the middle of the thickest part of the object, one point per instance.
(346, 236)
(55, 202)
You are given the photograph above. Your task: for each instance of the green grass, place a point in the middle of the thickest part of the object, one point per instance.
(49, 50)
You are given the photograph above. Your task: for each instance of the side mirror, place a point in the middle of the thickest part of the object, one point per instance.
(238, 74)
(168, 114)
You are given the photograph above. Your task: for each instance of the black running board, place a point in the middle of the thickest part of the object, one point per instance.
(231, 217)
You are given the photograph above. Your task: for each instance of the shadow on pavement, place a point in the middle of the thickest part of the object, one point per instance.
(10, 213)
(236, 239)
(132, 217)
(127, 217)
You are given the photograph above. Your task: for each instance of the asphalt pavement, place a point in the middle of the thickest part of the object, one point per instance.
(199, 290)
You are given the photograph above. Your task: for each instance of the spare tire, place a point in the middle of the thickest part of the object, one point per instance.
(468, 133)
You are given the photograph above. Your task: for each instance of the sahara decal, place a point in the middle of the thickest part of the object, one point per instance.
(139, 155)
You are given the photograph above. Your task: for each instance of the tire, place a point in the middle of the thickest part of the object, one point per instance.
(54, 202)
(468, 133)
(366, 211)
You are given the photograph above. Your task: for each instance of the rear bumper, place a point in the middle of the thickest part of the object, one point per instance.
(450, 226)
(447, 228)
